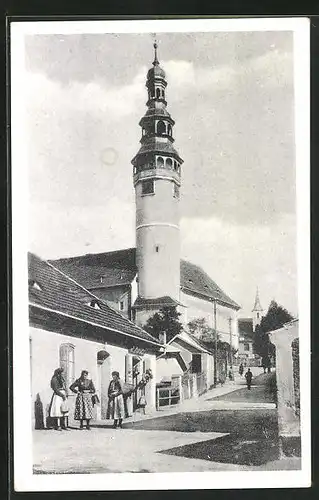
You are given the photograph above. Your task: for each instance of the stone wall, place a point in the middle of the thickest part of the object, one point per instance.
(296, 373)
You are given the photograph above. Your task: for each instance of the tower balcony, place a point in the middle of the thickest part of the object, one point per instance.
(157, 173)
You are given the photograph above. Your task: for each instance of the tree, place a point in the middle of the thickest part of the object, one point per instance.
(201, 329)
(275, 318)
(166, 320)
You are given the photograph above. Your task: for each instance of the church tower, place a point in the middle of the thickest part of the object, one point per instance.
(257, 311)
(157, 181)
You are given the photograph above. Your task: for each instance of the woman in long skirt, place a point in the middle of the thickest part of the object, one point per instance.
(83, 387)
(116, 407)
(58, 407)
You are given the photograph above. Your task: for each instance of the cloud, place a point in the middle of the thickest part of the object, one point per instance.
(86, 97)
(272, 69)
(238, 258)
(79, 229)
(241, 257)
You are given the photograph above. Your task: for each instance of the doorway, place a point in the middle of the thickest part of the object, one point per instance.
(102, 383)
(138, 370)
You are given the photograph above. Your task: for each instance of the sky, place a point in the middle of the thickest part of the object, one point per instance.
(232, 98)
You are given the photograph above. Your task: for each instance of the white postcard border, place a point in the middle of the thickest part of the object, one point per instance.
(24, 480)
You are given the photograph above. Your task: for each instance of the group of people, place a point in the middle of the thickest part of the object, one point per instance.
(248, 375)
(86, 397)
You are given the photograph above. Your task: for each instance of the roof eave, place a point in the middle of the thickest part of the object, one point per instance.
(209, 298)
(91, 323)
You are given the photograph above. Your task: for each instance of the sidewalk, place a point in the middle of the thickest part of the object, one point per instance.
(204, 402)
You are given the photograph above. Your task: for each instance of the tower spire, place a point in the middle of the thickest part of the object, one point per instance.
(257, 304)
(257, 311)
(155, 62)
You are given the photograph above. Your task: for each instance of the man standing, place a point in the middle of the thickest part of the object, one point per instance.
(248, 377)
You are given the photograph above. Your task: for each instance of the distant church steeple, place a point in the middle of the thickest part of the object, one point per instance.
(257, 310)
(157, 181)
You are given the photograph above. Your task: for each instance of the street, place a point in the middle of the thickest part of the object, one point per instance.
(232, 431)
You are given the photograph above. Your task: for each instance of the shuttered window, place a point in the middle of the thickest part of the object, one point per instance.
(67, 363)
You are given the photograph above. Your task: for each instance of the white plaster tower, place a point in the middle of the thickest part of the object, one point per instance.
(157, 180)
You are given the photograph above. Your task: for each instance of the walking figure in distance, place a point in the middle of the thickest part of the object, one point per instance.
(83, 387)
(241, 369)
(248, 377)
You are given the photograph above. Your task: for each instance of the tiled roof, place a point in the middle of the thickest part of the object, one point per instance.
(100, 270)
(157, 112)
(160, 302)
(156, 146)
(58, 292)
(193, 278)
(200, 342)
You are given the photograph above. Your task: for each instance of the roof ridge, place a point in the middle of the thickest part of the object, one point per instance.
(97, 254)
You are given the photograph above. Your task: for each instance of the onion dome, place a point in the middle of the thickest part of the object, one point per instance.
(157, 155)
(156, 71)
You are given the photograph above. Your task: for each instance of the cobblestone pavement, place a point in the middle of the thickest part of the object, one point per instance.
(220, 431)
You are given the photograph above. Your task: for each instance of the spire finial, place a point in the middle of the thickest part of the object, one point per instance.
(155, 62)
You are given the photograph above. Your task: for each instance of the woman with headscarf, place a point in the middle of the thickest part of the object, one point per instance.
(116, 407)
(58, 406)
(83, 387)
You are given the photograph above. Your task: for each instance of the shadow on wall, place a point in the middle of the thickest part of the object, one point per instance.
(41, 418)
(38, 413)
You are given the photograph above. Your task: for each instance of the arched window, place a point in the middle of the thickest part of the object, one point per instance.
(175, 165)
(67, 362)
(169, 163)
(161, 129)
(169, 130)
(158, 93)
(163, 94)
(160, 162)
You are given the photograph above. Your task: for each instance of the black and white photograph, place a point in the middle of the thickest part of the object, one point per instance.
(160, 254)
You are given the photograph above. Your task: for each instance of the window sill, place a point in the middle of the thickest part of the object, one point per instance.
(148, 194)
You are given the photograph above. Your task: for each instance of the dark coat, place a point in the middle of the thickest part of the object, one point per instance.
(82, 385)
(248, 376)
(58, 384)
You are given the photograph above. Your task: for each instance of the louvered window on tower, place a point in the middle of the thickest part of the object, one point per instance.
(161, 128)
(148, 186)
(169, 163)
